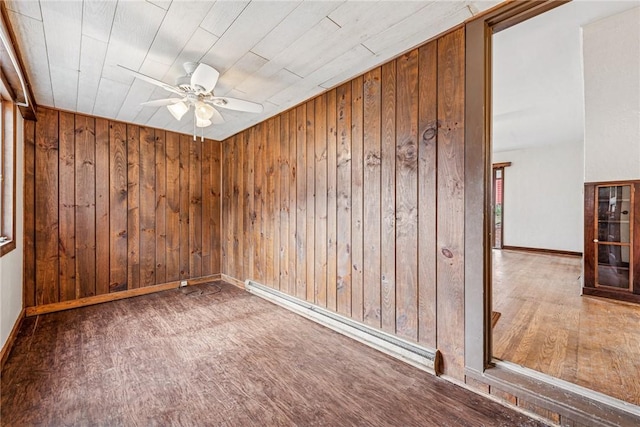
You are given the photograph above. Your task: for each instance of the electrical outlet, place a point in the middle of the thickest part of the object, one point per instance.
(183, 283)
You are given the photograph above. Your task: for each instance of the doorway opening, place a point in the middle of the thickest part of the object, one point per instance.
(543, 89)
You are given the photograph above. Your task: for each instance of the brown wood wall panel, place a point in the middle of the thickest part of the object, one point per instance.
(195, 209)
(343, 201)
(301, 202)
(388, 198)
(450, 203)
(310, 201)
(107, 205)
(332, 209)
(185, 187)
(161, 208)
(357, 123)
(29, 260)
(283, 184)
(320, 192)
(118, 196)
(133, 207)
(67, 207)
(427, 168)
(371, 203)
(173, 206)
(372, 199)
(85, 207)
(102, 207)
(406, 196)
(147, 209)
(247, 200)
(46, 208)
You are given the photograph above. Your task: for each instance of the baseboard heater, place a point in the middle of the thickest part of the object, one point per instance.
(420, 357)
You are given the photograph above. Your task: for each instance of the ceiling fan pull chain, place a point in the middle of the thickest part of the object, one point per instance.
(195, 138)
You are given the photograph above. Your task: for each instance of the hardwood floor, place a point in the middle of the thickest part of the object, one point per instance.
(547, 326)
(216, 355)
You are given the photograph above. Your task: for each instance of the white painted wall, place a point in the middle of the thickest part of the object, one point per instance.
(11, 263)
(611, 48)
(543, 197)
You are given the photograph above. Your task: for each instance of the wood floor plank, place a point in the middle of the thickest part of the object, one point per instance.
(221, 357)
(546, 325)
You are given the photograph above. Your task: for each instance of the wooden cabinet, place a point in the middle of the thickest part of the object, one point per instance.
(612, 240)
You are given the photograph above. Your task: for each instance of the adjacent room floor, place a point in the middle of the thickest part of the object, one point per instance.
(546, 325)
(216, 355)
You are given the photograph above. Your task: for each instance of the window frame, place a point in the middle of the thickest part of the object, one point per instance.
(7, 176)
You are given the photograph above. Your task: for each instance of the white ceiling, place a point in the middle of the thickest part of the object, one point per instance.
(538, 85)
(278, 53)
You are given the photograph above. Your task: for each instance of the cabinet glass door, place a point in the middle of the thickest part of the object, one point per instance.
(613, 236)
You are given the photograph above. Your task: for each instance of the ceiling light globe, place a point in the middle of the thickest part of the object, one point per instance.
(203, 111)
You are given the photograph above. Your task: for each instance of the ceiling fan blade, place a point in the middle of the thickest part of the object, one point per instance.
(205, 77)
(236, 104)
(217, 117)
(153, 81)
(162, 102)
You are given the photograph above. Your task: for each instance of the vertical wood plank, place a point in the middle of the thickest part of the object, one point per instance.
(450, 202)
(407, 196)
(46, 207)
(67, 206)
(133, 206)
(269, 214)
(258, 202)
(173, 206)
(147, 209)
(301, 202)
(118, 213)
(310, 177)
(320, 281)
(427, 152)
(274, 141)
(102, 206)
(388, 201)
(207, 209)
(238, 207)
(292, 150)
(343, 188)
(332, 237)
(85, 159)
(216, 177)
(29, 260)
(185, 250)
(283, 183)
(195, 209)
(357, 311)
(247, 176)
(228, 162)
(161, 207)
(372, 199)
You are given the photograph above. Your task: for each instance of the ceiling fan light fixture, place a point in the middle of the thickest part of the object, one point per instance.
(203, 111)
(202, 123)
(178, 109)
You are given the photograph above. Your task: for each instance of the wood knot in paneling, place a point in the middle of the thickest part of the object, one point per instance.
(447, 253)
(430, 133)
(372, 159)
(407, 154)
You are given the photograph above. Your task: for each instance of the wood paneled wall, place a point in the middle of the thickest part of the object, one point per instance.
(111, 207)
(354, 200)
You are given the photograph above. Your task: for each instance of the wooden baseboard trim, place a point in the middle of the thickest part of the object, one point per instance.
(611, 294)
(99, 299)
(422, 358)
(543, 251)
(8, 345)
(232, 280)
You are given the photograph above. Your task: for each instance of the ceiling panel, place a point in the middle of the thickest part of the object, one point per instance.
(278, 53)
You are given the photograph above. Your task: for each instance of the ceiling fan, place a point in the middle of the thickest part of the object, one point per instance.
(196, 89)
